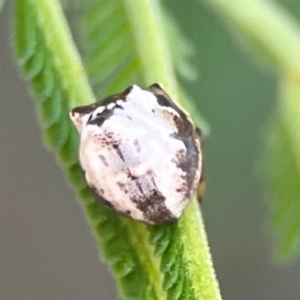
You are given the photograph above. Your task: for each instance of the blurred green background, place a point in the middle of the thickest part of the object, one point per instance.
(46, 249)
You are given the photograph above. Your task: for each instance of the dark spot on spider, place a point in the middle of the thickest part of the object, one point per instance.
(139, 187)
(186, 166)
(101, 118)
(83, 110)
(137, 145)
(121, 185)
(149, 172)
(163, 101)
(153, 207)
(90, 117)
(199, 132)
(119, 152)
(127, 91)
(156, 86)
(178, 190)
(103, 160)
(129, 175)
(98, 121)
(128, 212)
(153, 110)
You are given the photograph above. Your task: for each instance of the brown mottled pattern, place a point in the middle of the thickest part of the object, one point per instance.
(152, 203)
(187, 133)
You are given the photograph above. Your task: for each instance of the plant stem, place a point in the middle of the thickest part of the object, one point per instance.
(157, 64)
(197, 255)
(151, 42)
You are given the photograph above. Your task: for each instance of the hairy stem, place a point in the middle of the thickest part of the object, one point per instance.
(157, 65)
(151, 42)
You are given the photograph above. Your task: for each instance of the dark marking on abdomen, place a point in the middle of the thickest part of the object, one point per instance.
(103, 159)
(152, 204)
(119, 152)
(137, 145)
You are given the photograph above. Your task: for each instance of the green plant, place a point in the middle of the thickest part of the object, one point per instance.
(157, 262)
(149, 262)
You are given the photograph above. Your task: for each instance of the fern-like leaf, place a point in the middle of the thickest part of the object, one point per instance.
(149, 262)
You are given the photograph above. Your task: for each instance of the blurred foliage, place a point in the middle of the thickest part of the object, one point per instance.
(282, 169)
(282, 172)
(256, 23)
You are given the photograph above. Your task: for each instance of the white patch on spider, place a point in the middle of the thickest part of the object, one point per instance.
(99, 110)
(111, 106)
(133, 157)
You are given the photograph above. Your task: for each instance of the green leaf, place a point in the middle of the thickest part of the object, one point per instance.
(282, 169)
(148, 262)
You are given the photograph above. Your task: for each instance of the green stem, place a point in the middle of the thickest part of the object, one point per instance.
(139, 236)
(157, 65)
(148, 29)
(197, 255)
